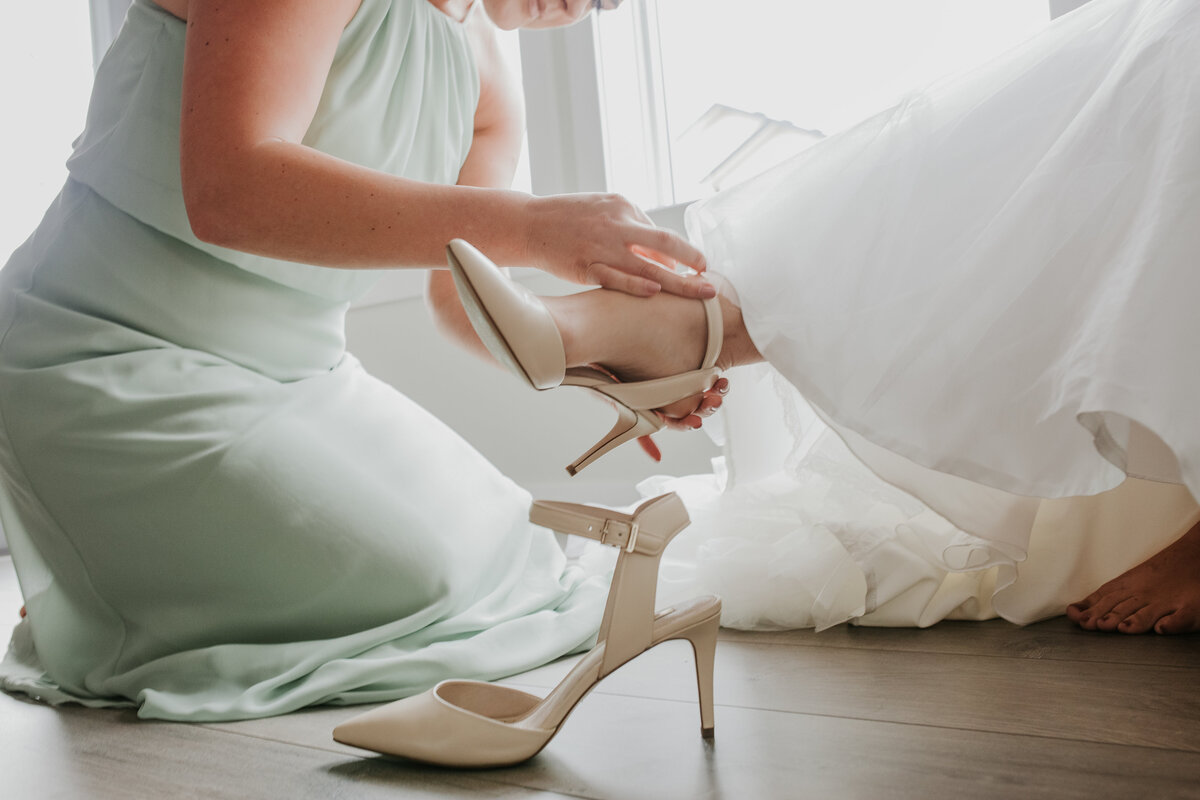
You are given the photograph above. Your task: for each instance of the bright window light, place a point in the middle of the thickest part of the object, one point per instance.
(46, 64)
(772, 76)
(510, 48)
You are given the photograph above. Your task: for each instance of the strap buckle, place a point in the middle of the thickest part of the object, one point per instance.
(617, 533)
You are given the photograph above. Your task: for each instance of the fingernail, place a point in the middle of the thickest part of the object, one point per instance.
(707, 291)
(722, 388)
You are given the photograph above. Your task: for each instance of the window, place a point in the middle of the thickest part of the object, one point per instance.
(693, 95)
(46, 61)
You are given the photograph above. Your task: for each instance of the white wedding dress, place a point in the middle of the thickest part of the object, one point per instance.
(987, 294)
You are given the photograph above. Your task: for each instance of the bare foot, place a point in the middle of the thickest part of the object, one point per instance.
(1162, 594)
(639, 338)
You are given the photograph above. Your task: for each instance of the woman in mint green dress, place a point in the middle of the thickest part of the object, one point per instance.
(214, 511)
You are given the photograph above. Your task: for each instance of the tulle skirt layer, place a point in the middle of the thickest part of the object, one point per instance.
(988, 292)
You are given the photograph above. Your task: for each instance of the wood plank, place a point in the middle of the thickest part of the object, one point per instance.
(628, 748)
(1057, 639)
(74, 753)
(618, 746)
(615, 746)
(973, 710)
(1086, 701)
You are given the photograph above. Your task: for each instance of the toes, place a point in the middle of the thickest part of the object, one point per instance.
(1178, 621)
(1077, 611)
(1140, 621)
(1101, 606)
(1120, 612)
(1109, 622)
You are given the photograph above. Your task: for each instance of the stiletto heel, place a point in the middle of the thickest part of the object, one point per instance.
(474, 724)
(704, 648)
(630, 424)
(520, 333)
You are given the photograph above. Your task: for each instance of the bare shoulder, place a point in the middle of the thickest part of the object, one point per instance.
(485, 42)
(500, 97)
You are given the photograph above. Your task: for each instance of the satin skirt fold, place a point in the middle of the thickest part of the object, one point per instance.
(233, 520)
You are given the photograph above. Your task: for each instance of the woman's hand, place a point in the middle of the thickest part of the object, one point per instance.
(605, 240)
(687, 415)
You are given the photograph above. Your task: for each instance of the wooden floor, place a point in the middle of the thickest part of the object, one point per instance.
(960, 710)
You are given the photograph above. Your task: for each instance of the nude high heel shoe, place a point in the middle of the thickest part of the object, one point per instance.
(520, 332)
(472, 724)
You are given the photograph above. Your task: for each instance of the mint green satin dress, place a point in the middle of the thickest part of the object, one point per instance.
(214, 511)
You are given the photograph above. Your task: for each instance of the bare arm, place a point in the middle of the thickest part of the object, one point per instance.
(253, 75)
(491, 162)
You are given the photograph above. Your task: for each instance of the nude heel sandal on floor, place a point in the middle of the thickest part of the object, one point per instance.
(520, 332)
(473, 724)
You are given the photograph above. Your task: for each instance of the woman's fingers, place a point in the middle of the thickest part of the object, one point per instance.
(708, 406)
(666, 247)
(634, 264)
(620, 281)
(688, 414)
(650, 282)
(656, 254)
(710, 401)
(683, 285)
(598, 238)
(650, 447)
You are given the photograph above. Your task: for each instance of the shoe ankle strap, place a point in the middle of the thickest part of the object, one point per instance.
(628, 624)
(716, 332)
(646, 531)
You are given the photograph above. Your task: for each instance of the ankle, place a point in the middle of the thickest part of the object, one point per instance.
(636, 337)
(579, 318)
(737, 347)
